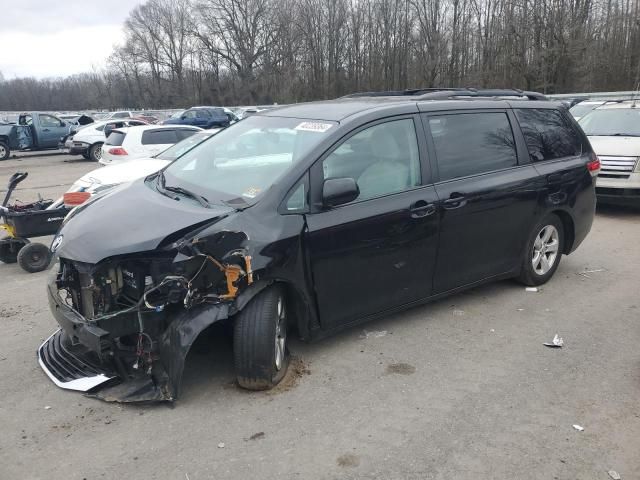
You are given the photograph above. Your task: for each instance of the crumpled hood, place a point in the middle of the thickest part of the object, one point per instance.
(616, 146)
(132, 218)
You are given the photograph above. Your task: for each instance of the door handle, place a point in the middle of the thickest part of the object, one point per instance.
(454, 201)
(45, 129)
(422, 209)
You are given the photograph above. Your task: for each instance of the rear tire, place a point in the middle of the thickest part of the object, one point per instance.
(543, 252)
(5, 151)
(34, 257)
(95, 152)
(10, 247)
(260, 341)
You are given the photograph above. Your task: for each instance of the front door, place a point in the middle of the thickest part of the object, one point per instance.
(51, 129)
(487, 201)
(378, 251)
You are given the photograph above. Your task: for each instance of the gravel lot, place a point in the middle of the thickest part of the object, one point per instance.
(459, 389)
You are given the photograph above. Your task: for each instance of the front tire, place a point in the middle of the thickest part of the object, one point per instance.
(543, 252)
(95, 152)
(5, 151)
(260, 341)
(34, 257)
(86, 156)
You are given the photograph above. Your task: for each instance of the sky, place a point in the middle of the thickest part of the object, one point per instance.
(57, 38)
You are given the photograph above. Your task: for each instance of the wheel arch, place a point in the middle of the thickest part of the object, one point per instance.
(569, 227)
(304, 313)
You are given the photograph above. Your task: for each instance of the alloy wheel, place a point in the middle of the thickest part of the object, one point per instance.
(545, 249)
(281, 334)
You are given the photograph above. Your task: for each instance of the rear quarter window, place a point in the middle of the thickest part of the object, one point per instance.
(116, 138)
(159, 137)
(549, 135)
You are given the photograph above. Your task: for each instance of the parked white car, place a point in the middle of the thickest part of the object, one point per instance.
(126, 144)
(614, 133)
(105, 178)
(579, 110)
(87, 141)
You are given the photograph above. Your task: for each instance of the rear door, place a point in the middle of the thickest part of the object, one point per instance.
(487, 197)
(203, 118)
(378, 251)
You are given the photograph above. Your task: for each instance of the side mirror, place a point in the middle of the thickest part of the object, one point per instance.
(338, 191)
(183, 117)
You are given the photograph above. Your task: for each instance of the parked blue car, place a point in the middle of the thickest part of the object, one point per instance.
(203, 117)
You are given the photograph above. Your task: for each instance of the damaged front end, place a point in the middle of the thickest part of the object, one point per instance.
(128, 322)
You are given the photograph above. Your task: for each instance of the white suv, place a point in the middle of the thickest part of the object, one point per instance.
(614, 132)
(126, 144)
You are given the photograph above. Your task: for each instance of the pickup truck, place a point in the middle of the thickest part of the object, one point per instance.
(34, 131)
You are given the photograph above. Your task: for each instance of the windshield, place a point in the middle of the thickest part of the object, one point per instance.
(182, 147)
(621, 121)
(582, 109)
(244, 160)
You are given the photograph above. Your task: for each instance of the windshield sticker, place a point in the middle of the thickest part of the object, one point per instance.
(252, 192)
(319, 127)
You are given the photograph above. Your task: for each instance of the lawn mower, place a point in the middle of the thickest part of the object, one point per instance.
(24, 221)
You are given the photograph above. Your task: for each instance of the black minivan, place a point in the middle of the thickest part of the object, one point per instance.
(311, 218)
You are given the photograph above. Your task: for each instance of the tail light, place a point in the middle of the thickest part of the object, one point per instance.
(594, 165)
(117, 151)
(73, 199)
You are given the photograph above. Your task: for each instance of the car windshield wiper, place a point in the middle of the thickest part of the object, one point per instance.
(163, 188)
(187, 193)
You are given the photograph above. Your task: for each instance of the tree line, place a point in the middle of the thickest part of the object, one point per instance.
(178, 53)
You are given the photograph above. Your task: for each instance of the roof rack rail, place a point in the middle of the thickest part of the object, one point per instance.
(451, 93)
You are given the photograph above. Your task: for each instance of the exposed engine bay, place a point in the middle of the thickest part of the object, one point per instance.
(122, 311)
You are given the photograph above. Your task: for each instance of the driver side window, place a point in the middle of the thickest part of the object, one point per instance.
(382, 159)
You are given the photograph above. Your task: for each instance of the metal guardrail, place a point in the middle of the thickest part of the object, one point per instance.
(626, 95)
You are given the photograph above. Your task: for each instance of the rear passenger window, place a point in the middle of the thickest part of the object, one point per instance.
(382, 159)
(548, 134)
(472, 143)
(159, 137)
(183, 133)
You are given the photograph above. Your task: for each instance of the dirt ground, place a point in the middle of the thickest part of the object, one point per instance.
(459, 389)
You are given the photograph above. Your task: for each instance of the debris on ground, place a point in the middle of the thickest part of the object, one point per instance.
(257, 436)
(520, 309)
(221, 445)
(578, 428)
(374, 334)
(47, 407)
(615, 475)
(557, 342)
(585, 273)
(493, 330)
(531, 289)
(458, 313)
(297, 369)
(401, 368)
(348, 460)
